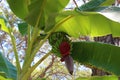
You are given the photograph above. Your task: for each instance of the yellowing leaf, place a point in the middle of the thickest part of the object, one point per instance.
(3, 27)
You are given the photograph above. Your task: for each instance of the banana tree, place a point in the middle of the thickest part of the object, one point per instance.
(86, 20)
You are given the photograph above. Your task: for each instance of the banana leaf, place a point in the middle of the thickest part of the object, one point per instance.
(101, 55)
(94, 4)
(38, 12)
(23, 28)
(77, 23)
(8, 68)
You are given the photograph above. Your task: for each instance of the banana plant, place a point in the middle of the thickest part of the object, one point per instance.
(86, 20)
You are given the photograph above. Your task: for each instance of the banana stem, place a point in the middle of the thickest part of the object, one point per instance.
(15, 52)
(28, 60)
(30, 70)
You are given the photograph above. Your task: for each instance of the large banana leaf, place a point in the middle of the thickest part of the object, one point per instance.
(34, 7)
(8, 68)
(103, 56)
(99, 78)
(87, 23)
(41, 12)
(19, 7)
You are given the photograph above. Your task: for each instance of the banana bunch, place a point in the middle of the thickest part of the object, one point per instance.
(61, 46)
(56, 39)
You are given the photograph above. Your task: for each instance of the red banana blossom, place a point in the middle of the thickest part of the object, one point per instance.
(65, 53)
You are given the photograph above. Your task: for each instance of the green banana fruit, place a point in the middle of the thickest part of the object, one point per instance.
(61, 46)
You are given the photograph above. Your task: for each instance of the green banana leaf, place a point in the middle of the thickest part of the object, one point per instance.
(99, 78)
(94, 4)
(38, 12)
(111, 12)
(100, 55)
(91, 5)
(108, 3)
(8, 68)
(19, 7)
(87, 23)
(23, 28)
